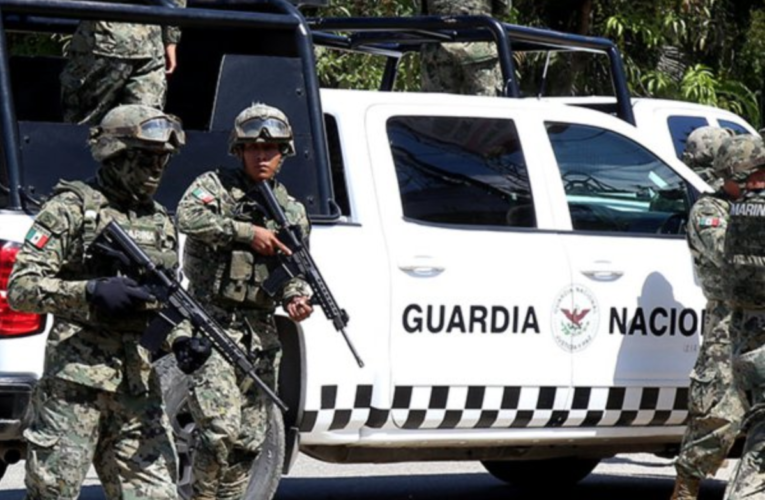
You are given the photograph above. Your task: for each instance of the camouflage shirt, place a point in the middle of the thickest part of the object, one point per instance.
(124, 40)
(466, 7)
(707, 223)
(50, 276)
(218, 217)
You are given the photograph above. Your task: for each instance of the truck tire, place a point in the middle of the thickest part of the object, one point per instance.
(266, 470)
(550, 473)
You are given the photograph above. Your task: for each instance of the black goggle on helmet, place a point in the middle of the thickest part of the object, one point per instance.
(136, 127)
(160, 130)
(264, 128)
(264, 124)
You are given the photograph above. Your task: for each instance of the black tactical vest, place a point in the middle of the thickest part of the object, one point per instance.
(744, 273)
(151, 228)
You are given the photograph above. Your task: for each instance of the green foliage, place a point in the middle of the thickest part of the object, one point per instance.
(753, 50)
(340, 69)
(707, 51)
(740, 99)
(699, 84)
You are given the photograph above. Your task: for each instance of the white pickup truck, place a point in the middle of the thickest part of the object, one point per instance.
(665, 123)
(515, 271)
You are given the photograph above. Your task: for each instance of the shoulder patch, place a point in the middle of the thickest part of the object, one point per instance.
(203, 195)
(38, 237)
(50, 222)
(711, 222)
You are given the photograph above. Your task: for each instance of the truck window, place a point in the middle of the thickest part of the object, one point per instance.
(681, 127)
(614, 184)
(738, 129)
(337, 165)
(456, 170)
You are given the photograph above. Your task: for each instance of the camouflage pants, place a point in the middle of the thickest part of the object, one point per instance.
(748, 335)
(461, 68)
(126, 437)
(716, 406)
(92, 85)
(231, 415)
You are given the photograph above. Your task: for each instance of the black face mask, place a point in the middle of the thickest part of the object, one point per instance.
(138, 171)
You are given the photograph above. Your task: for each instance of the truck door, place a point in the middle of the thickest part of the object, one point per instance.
(473, 278)
(628, 211)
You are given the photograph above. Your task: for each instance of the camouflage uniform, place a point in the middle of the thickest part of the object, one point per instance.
(716, 406)
(115, 63)
(743, 280)
(462, 68)
(98, 400)
(225, 274)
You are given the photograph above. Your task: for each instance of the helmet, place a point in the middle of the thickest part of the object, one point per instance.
(739, 156)
(262, 123)
(702, 145)
(135, 126)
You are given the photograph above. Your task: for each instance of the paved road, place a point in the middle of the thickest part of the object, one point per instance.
(626, 477)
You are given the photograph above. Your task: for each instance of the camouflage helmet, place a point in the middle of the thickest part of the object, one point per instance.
(739, 156)
(135, 126)
(702, 145)
(262, 123)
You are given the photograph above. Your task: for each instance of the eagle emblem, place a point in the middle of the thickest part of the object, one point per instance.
(576, 316)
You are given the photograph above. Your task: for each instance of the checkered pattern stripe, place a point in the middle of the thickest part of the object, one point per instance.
(477, 407)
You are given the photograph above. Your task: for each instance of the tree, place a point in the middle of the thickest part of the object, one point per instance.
(707, 51)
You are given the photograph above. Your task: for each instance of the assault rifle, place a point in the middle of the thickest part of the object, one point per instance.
(180, 305)
(301, 264)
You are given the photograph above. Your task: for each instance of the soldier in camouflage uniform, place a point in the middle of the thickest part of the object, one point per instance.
(98, 400)
(700, 150)
(716, 406)
(228, 254)
(117, 63)
(462, 68)
(744, 284)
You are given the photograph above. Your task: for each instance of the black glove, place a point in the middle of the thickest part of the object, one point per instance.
(191, 353)
(116, 296)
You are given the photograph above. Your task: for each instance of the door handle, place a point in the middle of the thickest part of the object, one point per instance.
(422, 266)
(602, 271)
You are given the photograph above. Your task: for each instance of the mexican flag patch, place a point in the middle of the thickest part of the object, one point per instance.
(38, 237)
(203, 195)
(710, 222)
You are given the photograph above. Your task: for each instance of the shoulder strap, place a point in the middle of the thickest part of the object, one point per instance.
(92, 202)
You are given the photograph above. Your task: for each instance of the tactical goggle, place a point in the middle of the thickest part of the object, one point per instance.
(267, 128)
(158, 129)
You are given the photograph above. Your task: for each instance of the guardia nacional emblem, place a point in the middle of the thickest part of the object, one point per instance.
(575, 318)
